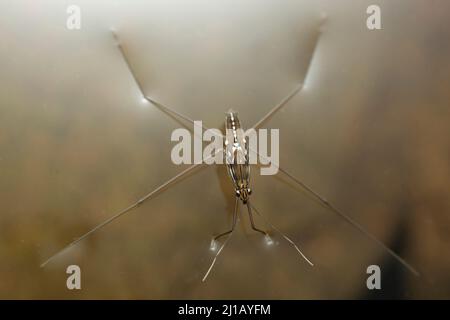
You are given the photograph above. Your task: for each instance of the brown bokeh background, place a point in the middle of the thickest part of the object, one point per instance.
(370, 131)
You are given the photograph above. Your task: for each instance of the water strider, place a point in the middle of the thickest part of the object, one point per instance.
(235, 147)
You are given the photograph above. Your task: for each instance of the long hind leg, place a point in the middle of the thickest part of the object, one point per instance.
(331, 207)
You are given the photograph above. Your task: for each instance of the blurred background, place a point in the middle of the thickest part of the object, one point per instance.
(370, 131)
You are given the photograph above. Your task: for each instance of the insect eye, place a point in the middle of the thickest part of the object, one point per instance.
(238, 193)
(249, 191)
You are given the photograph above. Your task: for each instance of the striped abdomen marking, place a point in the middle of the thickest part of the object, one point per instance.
(236, 156)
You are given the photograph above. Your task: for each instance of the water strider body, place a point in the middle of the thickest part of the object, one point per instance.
(236, 152)
(237, 158)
